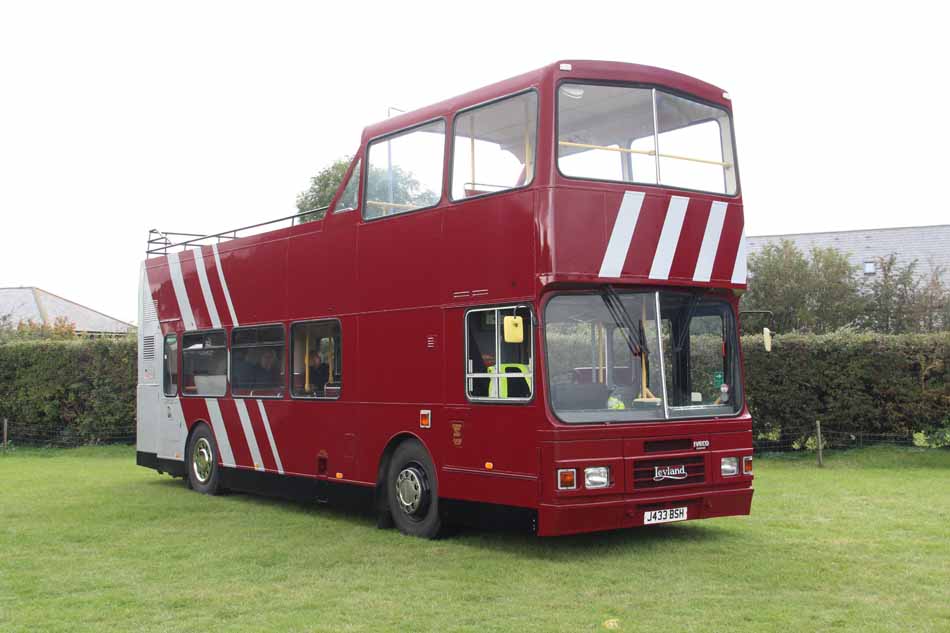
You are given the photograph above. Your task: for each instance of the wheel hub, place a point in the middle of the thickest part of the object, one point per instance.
(412, 491)
(203, 460)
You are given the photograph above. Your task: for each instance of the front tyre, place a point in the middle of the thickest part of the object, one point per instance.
(414, 491)
(204, 473)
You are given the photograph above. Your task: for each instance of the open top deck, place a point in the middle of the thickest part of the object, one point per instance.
(628, 173)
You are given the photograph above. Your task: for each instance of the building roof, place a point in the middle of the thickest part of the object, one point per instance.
(40, 306)
(928, 245)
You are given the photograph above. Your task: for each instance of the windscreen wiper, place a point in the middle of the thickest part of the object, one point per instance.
(684, 332)
(630, 331)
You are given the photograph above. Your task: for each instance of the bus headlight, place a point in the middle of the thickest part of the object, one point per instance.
(597, 477)
(730, 466)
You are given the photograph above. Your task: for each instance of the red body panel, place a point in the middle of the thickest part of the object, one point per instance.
(400, 287)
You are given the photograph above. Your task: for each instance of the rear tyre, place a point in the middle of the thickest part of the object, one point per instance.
(204, 473)
(414, 491)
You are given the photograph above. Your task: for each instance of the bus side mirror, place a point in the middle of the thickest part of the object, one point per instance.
(767, 339)
(514, 329)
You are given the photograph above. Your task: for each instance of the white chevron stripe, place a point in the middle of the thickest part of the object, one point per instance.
(220, 433)
(707, 252)
(224, 284)
(270, 437)
(739, 270)
(181, 295)
(622, 234)
(669, 238)
(205, 287)
(249, 434)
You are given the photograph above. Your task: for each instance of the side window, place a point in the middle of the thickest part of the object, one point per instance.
(204, 363)
(349, 198)
(494, 146)
(257, 361)
(170, 365)
(499, 359)
(405, 171)
(317, 359)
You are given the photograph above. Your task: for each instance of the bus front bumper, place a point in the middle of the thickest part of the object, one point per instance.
(594, 516)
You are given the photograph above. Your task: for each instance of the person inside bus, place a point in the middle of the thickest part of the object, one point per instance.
(266, 373)
(319, 373)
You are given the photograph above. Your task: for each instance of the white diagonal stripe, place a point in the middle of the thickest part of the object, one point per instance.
(739, 270)
(220, 433)
(249, 434)
(707, 252)
(270, 437)
(181, 295)
(621, 235)
(205, 288)
(224, 284)
(669, 238)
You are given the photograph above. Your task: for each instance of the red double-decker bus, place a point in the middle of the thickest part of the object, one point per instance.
(521, 302)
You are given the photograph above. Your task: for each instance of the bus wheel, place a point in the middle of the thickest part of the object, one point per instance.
(413, 491)
(204, 475)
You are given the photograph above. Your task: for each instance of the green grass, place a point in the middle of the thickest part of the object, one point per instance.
(90, 542)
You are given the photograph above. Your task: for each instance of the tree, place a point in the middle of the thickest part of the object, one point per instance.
(819, 293)
(7, 329)
(893, 306)
(322, 188)
(835, 298)
(402, 188)
(778, 281)
(933, 299)
(61, 329)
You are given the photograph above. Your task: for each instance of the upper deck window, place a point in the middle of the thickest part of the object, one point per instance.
(405, 171)
(646, 136)
(494, 146)
(349, 198)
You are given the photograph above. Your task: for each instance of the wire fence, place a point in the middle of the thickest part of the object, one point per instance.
(25, 435)
(19, 435)
(835, 439)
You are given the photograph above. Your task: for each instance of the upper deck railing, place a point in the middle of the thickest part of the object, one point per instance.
(161, 242)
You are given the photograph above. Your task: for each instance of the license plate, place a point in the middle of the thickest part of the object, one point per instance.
(664, 516)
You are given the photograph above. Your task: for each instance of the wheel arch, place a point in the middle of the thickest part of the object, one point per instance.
(192, 428)
(380, 502)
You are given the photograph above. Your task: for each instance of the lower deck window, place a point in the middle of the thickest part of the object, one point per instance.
(316, 359)
(257, 361)
(499, 359)
(204, 363)
(170, 366)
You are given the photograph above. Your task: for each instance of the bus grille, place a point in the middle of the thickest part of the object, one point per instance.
(675, 471)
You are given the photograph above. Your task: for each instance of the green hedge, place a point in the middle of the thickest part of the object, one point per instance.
(69, 392)
(83, 391)
(869, 383)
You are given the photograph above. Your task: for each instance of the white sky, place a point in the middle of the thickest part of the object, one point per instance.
(201, 116)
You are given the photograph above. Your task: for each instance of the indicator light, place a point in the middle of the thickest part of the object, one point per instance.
(425, 419)
(489, 465)
(747, 465)
(566, 479)
(339, 475)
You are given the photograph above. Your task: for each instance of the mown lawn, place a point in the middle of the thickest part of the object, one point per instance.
(90, 542)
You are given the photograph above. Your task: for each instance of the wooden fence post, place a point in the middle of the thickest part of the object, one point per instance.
(821, 461)
(4, 433)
